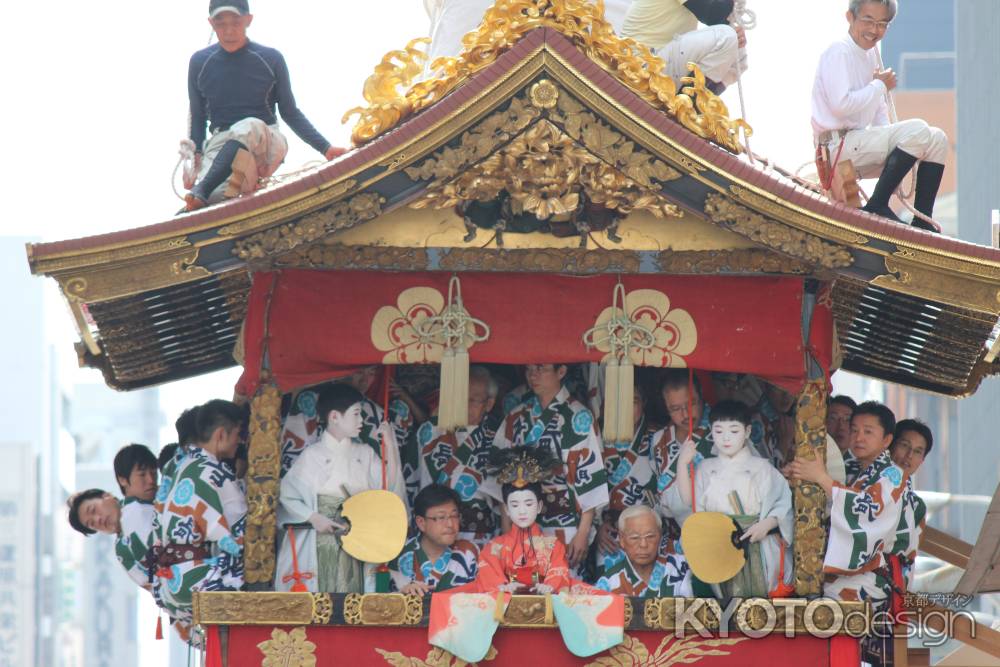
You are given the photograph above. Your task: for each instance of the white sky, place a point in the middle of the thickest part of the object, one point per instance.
(96, 103)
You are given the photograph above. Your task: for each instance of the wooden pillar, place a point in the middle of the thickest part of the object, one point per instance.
(263, 479)
(810, 499)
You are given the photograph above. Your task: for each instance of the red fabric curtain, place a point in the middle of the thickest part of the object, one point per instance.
(317, 325)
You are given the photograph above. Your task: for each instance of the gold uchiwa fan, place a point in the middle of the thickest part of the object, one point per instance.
(712, 546)
(376, 531)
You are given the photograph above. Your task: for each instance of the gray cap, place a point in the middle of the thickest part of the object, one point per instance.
(216, 7)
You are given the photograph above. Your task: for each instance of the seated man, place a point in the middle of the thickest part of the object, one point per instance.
(554, 422)
(435, 559)
(670, 29)
(647, 565)
(850, 115)
(911, 443)
(458, 460)
(234, 87)
(135, 469)
(201, 518)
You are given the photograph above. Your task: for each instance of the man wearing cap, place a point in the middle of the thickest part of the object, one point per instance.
(234, 87)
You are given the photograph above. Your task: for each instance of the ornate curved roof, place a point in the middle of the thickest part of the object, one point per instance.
(549, 121)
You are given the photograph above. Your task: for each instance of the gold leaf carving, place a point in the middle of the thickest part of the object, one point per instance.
(342, 215)
(263, 474)
(437, 657)
(546, 164)
(775, 235)
(506, 22)
(383, 609)
(671, 651)
(809, 544)
(245, 608)
(288, 649)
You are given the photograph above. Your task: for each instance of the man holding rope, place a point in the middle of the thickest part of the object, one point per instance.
(234, 87)
(851, 116)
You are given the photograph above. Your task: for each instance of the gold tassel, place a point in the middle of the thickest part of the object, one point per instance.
(446, 397)
(611, 400)
(626, 392)
(461, 387)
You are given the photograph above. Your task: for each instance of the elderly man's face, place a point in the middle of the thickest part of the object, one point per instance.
(676, 402)
(641, 538)
(868, 28)
(479, 400)
(231, 29)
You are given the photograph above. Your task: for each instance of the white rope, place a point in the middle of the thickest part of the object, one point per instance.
(903, 196)
(746, 19)
(620, 334)
(452, 325)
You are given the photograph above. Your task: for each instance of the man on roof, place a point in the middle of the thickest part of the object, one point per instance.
(234, 87)
(670, 29)
(850, 115)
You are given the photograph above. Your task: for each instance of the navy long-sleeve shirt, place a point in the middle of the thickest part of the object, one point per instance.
(227, 87)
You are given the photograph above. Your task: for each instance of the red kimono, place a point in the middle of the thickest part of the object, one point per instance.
(525, 556)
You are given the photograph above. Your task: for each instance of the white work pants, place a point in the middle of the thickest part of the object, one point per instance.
(869, 148)
(266, 144)
(714, 49)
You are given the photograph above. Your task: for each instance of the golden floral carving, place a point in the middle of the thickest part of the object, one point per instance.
(383, 609)
(437, 657)
(674, 333)
(263, 474)
(547, 165)
(775, 235)
(671, 651)
(809, 544)
(651, 613)
(322, 608)
(342, 215)
(544, 94)
(245, 608)
(335, 255)
(506, 22)
(288, 649)
(570, 260)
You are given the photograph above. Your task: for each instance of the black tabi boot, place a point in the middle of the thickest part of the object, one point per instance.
(897, 166)
(928, 182)
(221, 169)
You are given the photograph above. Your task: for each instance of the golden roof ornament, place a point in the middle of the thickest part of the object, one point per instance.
(391, 95)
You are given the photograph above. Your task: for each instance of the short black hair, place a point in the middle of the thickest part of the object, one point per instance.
(166, 454)
(879, 410)
(217, 413)
(337, 396)
(534, 487)
(131, 457)
(678, 378)
(187, 426)
(434, 495)
(916, 426)
(74, 503)
(843, 399)
(736, 411)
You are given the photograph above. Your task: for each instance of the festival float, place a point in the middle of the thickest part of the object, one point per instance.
(540, 194)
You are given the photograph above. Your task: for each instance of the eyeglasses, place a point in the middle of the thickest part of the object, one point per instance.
(444, 517)
(872, 23)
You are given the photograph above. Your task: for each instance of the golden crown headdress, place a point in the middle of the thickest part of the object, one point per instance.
(521, 466)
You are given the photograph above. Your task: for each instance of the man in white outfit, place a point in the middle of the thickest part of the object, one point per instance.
(850, 115)
(452, 19)
(670, 29)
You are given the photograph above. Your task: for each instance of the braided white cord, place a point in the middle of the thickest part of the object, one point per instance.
(452, 325)
(619, 333)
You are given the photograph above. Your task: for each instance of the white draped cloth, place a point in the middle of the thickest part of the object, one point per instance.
(452, 19)
(328, 467)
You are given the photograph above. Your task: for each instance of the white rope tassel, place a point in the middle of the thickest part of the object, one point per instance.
(457, 331)
(626, 394)
(621, 336)
(611, 381)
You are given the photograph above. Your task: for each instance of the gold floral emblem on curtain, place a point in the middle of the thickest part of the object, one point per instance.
(395, 329)
(674, 334)
(288, 649)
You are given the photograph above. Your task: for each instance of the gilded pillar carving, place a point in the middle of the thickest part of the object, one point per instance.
(810, 499)
(263, 477)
